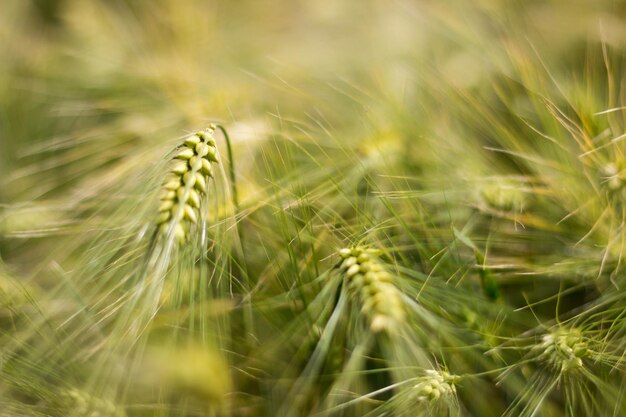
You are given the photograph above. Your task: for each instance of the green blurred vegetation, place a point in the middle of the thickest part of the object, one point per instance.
(477, 148)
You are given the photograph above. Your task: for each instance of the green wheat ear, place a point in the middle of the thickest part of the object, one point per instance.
(186, 184)
(435, 385)
(380, 300)
(564, 349)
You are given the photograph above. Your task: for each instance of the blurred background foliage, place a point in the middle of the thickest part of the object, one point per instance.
(84, 84)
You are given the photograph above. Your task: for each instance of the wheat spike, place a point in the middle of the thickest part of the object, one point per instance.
(380, 300)
(435, 385)
(564, 349)
(186, 183)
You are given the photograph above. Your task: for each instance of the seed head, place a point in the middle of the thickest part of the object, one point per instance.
(564, 349)
(435, 385)
(380, 300)
(186, 183)
(82, 403)
(504, 196)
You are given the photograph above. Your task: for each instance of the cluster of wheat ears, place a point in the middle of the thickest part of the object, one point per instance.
(189, 327)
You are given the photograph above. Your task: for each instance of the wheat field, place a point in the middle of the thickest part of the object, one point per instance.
(312, 208)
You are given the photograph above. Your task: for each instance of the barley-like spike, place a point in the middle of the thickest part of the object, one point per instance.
(186, 183)
(435, 385)
(380, 300)
(563, 349)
